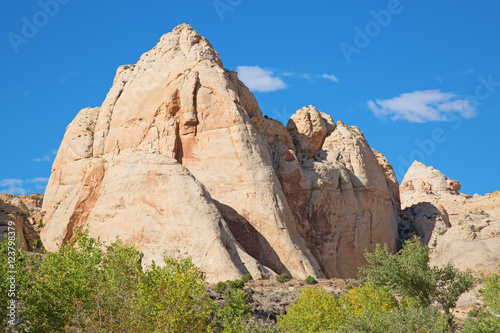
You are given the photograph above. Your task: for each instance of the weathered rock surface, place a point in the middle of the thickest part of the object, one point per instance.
(309, 128)
(179, 159)
(458, 227)
(25, 212)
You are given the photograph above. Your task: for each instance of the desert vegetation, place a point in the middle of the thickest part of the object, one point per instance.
(401, 293)
(88, 287)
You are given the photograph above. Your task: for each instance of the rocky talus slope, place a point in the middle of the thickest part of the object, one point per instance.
(179, 159)
(458, 227)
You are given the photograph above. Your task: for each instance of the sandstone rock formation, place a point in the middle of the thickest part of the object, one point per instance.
(458, 227)
(179, 159)
(25, 212)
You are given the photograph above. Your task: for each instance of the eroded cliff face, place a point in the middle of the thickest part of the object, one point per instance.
(179, 159)
(459, 228)
(23, 213)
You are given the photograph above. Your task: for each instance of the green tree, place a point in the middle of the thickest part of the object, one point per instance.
(231, 315)
(172, 298)
(408, 273)
(88, 287)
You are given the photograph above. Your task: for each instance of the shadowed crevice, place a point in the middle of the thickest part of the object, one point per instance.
(250, 239)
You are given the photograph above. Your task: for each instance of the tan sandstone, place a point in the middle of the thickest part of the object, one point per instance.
(179, 160)
(461, 229)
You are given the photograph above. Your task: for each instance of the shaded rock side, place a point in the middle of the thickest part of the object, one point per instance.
(178, 119)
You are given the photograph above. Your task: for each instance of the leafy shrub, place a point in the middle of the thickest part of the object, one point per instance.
(220, 287)
(368, 300)
(362, 309)
(87, 289)
(229, 317)
(236, 284)
(310, 280)
(374, 308)
(487, 320)
(246, 277)
(172, 298)
(317, 311)
(282, 278)
(409, 316)
(408, 273)
(314, 311)
(491, 292)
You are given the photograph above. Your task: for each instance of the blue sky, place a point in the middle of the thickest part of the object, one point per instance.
(420, 78)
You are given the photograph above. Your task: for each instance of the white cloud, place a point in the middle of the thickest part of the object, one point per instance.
(47, 157)
(422, 106)
(38, 180)
(259, 79)
(306, 76)
(330, 77)
(20, 187)
(12, 186)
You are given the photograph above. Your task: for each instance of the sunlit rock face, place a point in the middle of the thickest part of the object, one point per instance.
(180, 160)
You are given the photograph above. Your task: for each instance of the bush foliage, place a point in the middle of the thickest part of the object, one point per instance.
(487, 320)
(90, 287)
(408, 273)
(282, 278)
(310, 280)
(374, 307)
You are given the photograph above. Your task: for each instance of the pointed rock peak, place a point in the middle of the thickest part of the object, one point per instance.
(309, 127)
(187, 40)
(428, 179)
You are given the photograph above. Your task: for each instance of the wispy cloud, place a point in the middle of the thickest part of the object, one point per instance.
(465, 72)
(47, 157)
(12, 186)
(330, 77)
(422, 106)
(38, 180)
(259, 79)
(308, 76)
(67, 76)
(265, 80)
(22, 187)
(439, 79)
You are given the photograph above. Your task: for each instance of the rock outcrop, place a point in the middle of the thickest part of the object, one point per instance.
(458, 227)
(179, 159)
(25, 213)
